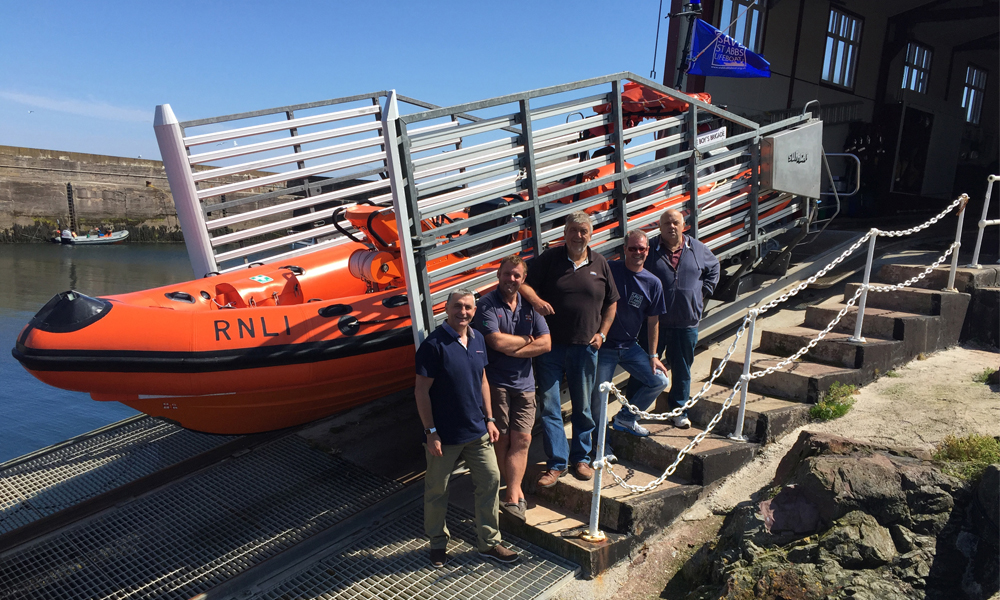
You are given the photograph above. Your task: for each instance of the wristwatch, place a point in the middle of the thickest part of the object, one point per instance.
(490, 420)
(653, 356)
(430, 431)
(604, 338)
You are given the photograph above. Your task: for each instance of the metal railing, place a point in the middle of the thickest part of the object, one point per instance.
(983, 223)
(507, 189)
(262, 186)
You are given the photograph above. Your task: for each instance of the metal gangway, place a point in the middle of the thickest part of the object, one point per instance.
(494, 177)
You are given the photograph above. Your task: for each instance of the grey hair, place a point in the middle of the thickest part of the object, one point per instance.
(460, 292)
(578, 216)
(636, 233)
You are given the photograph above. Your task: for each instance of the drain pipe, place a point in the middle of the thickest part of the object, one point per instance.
(594, 534)
(958, 244)
(737, 434)
(983, 223)
(864, 293)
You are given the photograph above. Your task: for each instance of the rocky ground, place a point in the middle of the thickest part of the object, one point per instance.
(911, 410)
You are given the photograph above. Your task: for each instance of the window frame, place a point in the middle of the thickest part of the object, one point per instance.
(757, 8)
(853, 45)
(966, 86)
(912, 71)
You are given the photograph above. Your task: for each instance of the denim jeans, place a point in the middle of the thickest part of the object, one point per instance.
(676, 347)
(643, 387)
(579, 363)
(644, 384)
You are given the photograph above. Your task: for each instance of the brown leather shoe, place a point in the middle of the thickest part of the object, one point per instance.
(500, 555)
(583, 471)
(550, 477)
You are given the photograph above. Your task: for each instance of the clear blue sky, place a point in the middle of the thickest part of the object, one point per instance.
(91, 73)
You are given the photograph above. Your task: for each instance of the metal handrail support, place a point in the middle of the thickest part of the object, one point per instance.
(594, 534)
(958, 244)
(983, 222)
(864, 294)
(737, 434)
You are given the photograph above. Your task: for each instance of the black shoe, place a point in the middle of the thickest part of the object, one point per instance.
(438, 557)
(500, 555)
(514, 509)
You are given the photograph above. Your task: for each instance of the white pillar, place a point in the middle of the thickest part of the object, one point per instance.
(594, 533)
(182, 187)
(958, 245)
(864, 292)
(737, 433)
(982, 223)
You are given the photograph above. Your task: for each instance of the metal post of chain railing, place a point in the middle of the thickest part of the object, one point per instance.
(737, 433)
(594, 533)
(982, 223)
(864, 294)
(958, 244)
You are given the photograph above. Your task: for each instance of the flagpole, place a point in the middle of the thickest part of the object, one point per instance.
(692, 11)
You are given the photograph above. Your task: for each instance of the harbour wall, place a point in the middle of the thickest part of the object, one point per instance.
(127, 193)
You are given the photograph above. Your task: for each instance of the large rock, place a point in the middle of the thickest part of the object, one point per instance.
(851, 520)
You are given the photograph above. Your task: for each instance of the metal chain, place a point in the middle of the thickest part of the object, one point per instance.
(926, 224)
(916, 278)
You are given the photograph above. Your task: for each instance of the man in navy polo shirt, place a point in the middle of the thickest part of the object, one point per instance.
(453, 400)
(689, 273)
(640, 301)
(515, 333)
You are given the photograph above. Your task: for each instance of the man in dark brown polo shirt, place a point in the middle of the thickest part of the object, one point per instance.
(573, 288)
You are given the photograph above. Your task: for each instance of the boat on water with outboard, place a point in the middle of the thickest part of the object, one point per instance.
(91, 239)
(272, 346)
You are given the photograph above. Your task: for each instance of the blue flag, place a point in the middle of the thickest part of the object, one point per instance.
(715, 53)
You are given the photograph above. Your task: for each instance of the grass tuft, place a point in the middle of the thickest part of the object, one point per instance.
(892, 374)
(836, 402)
(968, 456)
(984, 376)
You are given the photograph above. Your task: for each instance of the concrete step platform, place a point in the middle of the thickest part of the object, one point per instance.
(919, 333)
(800, 381)
(621, 510)
(712, 459)
(966, 279)
(834, 349)
(910, 299)
(766, 418)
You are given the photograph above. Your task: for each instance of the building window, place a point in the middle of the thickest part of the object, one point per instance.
(843, 37)
(972, 95)
(916, 67)
(743, 21)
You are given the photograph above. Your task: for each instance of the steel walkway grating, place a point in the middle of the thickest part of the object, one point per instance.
(189, 537)
(394, 562)
(66, 476)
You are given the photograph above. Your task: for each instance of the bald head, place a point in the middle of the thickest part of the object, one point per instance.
(672, 228)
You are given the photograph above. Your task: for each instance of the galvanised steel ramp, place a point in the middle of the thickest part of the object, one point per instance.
(267, 519)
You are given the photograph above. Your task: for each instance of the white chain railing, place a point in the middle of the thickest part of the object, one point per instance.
(741, 384)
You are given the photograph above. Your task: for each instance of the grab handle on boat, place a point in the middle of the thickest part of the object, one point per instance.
(294, 269)
(336, 223)
(371, 230)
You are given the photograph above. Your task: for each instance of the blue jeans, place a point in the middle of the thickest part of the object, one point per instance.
(644, 384)
(579, 363)
(676, 346)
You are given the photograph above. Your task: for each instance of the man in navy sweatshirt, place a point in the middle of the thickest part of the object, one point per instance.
(689, 273)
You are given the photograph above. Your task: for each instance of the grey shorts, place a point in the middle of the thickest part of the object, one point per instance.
(513, 409)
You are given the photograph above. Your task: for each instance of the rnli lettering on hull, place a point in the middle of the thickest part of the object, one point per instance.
(247, 328)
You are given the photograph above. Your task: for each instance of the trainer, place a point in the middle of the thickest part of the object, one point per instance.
(453, 400)
(572, 286)
(640, 301)
(515, 333)
(689, 273)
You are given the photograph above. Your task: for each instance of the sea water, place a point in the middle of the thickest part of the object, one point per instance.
(32, 414)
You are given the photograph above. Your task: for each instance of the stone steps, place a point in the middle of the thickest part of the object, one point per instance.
(834, 349)
(801, 381)
(766, 419)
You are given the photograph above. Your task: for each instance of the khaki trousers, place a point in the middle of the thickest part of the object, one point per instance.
(482, 463)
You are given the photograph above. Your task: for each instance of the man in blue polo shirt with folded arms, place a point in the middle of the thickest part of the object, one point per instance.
(515, 333)
(640, 301)
(453, 400)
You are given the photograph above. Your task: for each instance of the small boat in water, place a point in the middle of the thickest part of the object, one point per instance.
(91, 239)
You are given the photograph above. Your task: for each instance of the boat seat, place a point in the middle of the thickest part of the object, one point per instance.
(273, 288)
